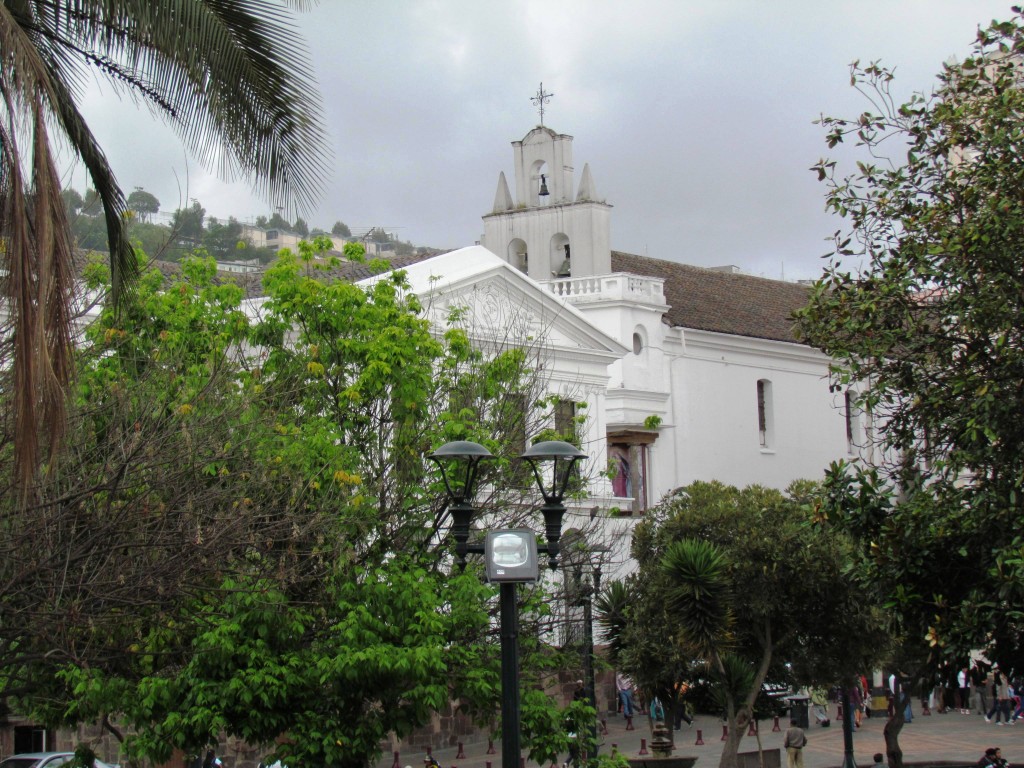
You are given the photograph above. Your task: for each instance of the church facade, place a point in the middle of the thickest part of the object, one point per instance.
(684, 373)
(705, 378)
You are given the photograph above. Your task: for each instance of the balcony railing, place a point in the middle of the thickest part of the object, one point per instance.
(618, 286)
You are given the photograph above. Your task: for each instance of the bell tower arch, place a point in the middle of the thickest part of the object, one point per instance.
(564, 231)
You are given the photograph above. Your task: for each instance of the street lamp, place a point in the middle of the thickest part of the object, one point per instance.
(510, 555)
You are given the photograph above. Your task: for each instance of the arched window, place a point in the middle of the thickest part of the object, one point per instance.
(518, 257)
(539, 184)
(639, 339)
(561, 264)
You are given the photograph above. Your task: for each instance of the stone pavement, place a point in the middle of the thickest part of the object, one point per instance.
(948, 738)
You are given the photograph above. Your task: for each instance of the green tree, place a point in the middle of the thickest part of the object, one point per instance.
(277, 221)
(733, 577)
(928, 338)
(187, 223)
(230, 77)
(310, 601)
(222, 240)
(341, 229)
(143, 203)
(301, 227)
(73, 202)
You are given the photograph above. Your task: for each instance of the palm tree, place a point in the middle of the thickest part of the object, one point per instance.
(230, 75)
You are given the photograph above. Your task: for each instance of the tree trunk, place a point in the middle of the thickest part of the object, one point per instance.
(731, 748)
(893, 726)
(738, 718)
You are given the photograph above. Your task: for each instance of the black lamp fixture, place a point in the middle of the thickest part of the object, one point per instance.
(462, 459)
(563, 457)
(511, 554)
(459, 462)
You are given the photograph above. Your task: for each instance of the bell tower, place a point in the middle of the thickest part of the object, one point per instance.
(546, 231)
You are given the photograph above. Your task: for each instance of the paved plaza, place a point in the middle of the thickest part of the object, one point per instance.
(949, 738)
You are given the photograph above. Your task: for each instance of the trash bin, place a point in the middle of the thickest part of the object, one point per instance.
(798, 710)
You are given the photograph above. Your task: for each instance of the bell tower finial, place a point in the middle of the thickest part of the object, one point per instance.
(540, 100)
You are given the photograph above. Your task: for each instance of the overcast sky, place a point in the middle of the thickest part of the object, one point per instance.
(696, 116)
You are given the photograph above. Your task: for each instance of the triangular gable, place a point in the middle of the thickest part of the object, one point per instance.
(498, 301)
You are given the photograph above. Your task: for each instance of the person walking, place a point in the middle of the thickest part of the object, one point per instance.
(1000, 691)
(794, 742)
(624, 685)
(980, 682)
(681, 715)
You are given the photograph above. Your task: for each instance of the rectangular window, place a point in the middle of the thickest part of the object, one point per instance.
(852, 422)
(629, 465)
(764, 413)
(565, 420)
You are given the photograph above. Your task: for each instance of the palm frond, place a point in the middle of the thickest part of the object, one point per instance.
(734, 680)
(612, 605)
(230, 75)
(699, 591)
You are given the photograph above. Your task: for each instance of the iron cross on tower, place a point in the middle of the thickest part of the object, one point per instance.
(540, 100)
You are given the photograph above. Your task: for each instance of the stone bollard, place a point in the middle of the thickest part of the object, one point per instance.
(490, 748)
(629, 723)
(775, 725)
(397, 763)
(461, 755)
(752, 731)
(700, 738)
(643, 747)
(725, 732)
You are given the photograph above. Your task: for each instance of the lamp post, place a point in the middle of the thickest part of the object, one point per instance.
(587, 590)
(510, 555)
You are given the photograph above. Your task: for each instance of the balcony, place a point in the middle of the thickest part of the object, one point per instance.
(618, 286)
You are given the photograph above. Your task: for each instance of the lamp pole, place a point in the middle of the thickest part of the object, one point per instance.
(588, 590)
(459, 463)
(510, 750)
(588, 641)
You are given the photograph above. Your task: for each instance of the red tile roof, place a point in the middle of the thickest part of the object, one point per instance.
(708, 300)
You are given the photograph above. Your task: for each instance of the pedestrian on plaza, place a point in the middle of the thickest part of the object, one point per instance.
(794, 742)
(993, 758)
(657, 711)
(624, 685)
(856, 703)
(1018, 701)
(898, 684)
(579, 693)
(681, 714)
(963, 681)
(819, 706)
(980, 681)
(1000, 698)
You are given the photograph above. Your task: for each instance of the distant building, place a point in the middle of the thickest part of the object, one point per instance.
(241, 266)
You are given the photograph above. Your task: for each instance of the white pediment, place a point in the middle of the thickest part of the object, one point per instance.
(499, 303)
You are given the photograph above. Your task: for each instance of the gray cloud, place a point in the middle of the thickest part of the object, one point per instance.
(695, 117)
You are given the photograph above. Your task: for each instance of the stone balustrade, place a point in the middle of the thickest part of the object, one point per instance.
(618, 286)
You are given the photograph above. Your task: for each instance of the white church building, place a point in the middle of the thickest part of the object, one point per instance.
(688, 373)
